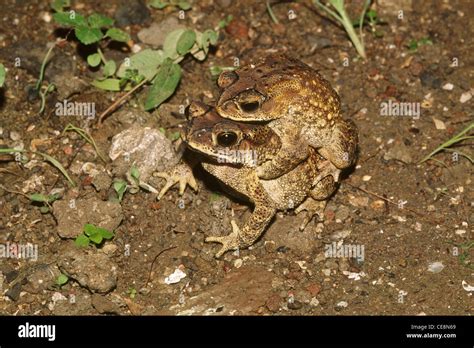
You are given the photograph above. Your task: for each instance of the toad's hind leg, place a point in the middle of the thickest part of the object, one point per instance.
(312, 208)
(341, 149)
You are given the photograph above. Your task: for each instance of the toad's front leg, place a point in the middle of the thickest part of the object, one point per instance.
(245, 181)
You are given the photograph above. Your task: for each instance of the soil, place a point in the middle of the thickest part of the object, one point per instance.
(411, 219)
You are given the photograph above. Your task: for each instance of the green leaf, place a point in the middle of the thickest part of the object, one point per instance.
(109, 68)
(69, 19)
(184, 5)
(96, 237)
(2, 74)
(185, 42)
(120, 186)
(159, 4)
(62, 279)
(107, 84)
(44, 209)
(88, 35)
(59, 5)
(106, 234)
(82, 240)
(90, 229)
(38, 197)
(146, 62)
(171, 41)
(135, 173)
(210, 36)
(97, 20)
(93, 59)
(164, 84)
(117, 35)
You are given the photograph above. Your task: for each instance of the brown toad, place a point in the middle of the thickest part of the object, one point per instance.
(298, 104)
(233, 152)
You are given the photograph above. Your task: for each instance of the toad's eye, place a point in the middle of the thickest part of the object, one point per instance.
(226, 139)
(250, 106)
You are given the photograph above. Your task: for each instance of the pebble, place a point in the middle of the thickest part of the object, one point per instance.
(238, 263)
(366, 178)
(175, 277)
(273, 303)
(435, 267)
(237, 29)
(378, 205)
(132, 12)
(465, 97)
(295, 305)
(448, 87)
(342, 304)
(314, 302)
(359, 201)
(15, 136)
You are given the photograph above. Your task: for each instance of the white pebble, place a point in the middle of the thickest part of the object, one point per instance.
(343, 304)
(448, 87)
(238, 263)
(366, 178)
(465, 97)
(436, 267)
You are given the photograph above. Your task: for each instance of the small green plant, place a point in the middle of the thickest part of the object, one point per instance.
(2, 75)
(61, 280)
(224, 22)
(93, 234)
(413, 45)
(373, 21)
(161, 4)
(45, 199)
(120, 186)
(41, 89)
(132, 292)
(48, 158)
(343, 18)
(86, 137)
(271, 14)
(91, 31)
(446, 146)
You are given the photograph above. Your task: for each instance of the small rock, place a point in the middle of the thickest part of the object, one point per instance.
(295, 305)
(313, 289)
(314, 302)
(175, 277)
(359, 201)
(15, 136)
(72, 215)
(342, 304)
(465, 97)
(338, 235)
(399, 152)
(238, 263)
(366, 178)
(342, 213)
(378, 205)
(273, 303)
(403, 263)
(439, 124)
(103, 305)
(237, 29)
(148, 148)
(90, 268)
(435, 267)
(265, 40)
(132, 12)
(430, 79)
(448, 87)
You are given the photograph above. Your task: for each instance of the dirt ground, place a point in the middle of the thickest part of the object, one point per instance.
(414, 221)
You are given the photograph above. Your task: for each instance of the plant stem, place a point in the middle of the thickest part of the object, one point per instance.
(270, 12)
(43, 66)
(120, 100)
